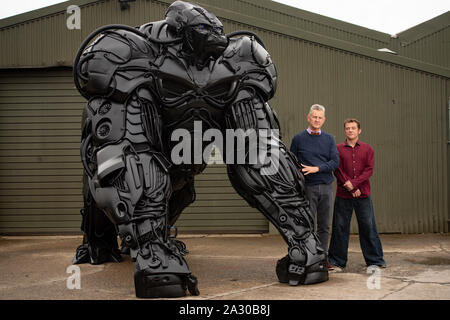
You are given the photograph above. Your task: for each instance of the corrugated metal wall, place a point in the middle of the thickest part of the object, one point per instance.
(403, 115)
(53, 44)
(448, 149)
(60, 43)
(40, 171)
(304, 20)
(218, 208)
(403, 110)
(433, 48)
(40, 168)
(397, 106)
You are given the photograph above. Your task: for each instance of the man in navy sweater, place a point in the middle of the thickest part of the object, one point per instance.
(317, 153)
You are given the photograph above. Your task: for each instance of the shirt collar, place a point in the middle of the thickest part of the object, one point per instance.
(310, 131)
(356, 144)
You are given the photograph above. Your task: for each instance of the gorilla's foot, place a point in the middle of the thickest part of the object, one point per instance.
(167, 285)
(160, 271)
(96, 253)
(316, 273)
(150, 285)
(294, 274)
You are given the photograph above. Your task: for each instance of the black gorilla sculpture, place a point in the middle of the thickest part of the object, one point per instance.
(142, 84)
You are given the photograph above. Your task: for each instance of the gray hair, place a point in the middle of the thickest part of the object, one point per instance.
(317, 107)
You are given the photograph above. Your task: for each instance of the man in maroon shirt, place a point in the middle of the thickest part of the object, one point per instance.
(356, 162)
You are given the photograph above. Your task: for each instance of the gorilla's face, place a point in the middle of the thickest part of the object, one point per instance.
(202, 31)
(206, 40)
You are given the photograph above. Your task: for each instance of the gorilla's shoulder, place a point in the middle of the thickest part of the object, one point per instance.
(249, 58)
(247, 49)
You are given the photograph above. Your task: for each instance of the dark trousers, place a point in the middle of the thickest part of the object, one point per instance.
(368, 234)
(320, 201)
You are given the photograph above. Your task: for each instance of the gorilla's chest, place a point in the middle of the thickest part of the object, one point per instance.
(188, 94)
(178, 82)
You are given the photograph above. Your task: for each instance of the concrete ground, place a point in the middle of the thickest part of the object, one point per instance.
(230, 267)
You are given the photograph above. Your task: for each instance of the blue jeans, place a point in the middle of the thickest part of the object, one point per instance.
(368, 233)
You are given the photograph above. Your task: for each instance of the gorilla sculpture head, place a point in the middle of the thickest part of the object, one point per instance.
(201, 31)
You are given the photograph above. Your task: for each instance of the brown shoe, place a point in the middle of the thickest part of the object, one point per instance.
(330, 266)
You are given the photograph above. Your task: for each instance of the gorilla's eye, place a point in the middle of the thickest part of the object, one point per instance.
(201, 27)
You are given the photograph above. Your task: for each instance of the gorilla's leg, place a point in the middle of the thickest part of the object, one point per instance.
(160, 268)
(99, 234)
(180, 199)
(128, 180)
(135, 197)
(277, 189)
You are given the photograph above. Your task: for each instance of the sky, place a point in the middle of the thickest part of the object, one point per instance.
(388, 16)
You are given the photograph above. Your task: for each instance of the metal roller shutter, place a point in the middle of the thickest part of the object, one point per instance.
(40, 168)
(218, 208)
